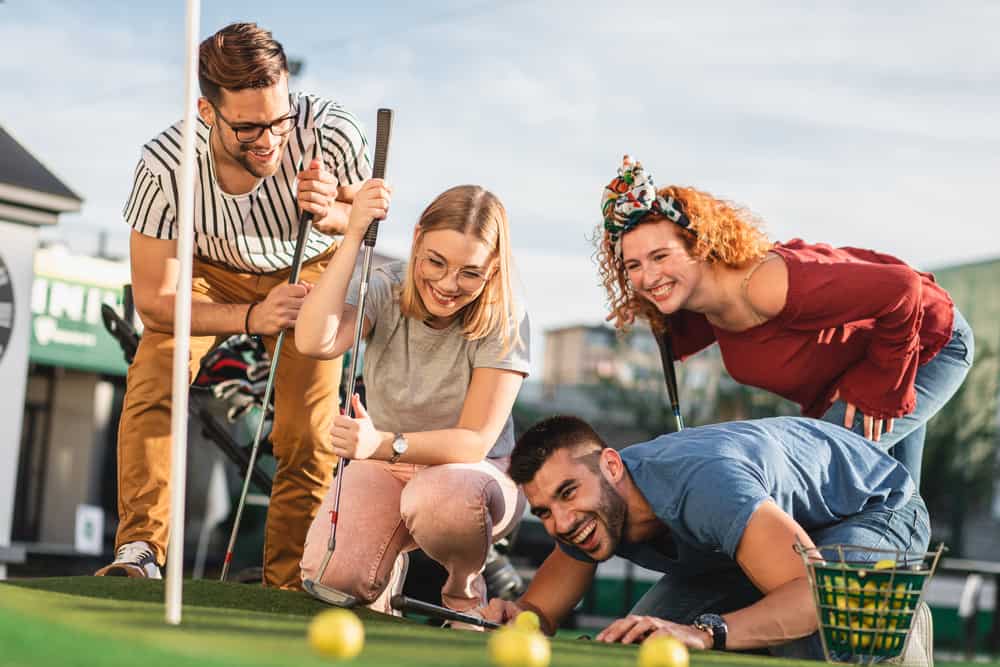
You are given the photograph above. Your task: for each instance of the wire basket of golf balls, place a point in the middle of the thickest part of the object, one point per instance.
(866, 598)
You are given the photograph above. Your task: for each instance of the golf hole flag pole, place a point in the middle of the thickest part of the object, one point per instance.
(182, 324)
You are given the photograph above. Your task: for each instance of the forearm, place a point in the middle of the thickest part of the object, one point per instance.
(207, 318)
(558, 585)
(452, 445)
(784, 614)
(322, 311)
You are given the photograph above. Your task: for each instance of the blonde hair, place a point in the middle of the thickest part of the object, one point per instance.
(720, 231)
(470, 209)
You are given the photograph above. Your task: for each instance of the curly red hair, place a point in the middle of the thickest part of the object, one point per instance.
(720, 231)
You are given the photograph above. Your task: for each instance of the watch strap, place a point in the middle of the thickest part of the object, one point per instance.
(396, 437)
(716, 626)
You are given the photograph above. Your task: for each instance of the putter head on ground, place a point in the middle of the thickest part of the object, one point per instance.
(329, 595)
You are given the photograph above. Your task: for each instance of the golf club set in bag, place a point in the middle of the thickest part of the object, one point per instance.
(239, 372)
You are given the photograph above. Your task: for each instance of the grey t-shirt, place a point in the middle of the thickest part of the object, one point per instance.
(705, 483)
(416, 377)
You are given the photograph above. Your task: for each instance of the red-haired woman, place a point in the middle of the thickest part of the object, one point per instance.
(853, 336)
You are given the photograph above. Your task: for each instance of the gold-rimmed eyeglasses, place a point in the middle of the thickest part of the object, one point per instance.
(468, 279)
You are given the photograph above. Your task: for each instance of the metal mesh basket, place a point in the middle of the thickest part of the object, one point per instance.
(866, 598)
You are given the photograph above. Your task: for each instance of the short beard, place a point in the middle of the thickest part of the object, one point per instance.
(613, 510)
(240, 155)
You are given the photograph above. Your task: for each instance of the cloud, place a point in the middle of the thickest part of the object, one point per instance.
(863, 125)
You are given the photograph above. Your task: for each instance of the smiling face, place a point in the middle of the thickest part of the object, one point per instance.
(659, 265)
(451, 271)
(576, 504)
(242, 109)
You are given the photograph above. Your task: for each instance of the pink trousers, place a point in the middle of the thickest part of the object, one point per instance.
(452, 512)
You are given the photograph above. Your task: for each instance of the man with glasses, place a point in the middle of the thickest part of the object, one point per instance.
(263, 156)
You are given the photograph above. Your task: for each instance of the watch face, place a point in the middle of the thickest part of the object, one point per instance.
(6, 307)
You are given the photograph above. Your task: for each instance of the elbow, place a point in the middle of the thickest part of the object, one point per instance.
(157, 315)
(479, 447)
(312, 345)
(307, 344)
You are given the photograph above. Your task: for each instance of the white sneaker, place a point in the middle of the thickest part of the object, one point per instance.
(135, 560)
(396, 580)
(919, 649)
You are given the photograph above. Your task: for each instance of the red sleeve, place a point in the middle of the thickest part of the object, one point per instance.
(689, 333)
(833, 291)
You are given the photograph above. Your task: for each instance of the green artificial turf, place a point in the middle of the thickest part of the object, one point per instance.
(119, 622)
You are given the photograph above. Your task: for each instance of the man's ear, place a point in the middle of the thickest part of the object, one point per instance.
(612, 465)
(206, 111)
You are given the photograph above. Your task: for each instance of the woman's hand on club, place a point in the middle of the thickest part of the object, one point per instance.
(500, 611)
(371, 202)
(355, 438)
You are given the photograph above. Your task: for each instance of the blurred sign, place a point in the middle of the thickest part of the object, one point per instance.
(66, 299)
(89, 533)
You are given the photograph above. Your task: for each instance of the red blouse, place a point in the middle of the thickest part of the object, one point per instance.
(853, 319)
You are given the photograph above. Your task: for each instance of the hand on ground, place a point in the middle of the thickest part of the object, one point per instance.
(634, 629)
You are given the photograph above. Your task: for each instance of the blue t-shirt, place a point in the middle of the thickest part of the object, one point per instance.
(705, 483)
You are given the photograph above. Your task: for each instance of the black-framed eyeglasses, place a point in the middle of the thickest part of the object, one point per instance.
(469, 280)
(247, 133)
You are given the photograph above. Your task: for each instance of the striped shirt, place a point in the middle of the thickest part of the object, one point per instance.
(253, 232)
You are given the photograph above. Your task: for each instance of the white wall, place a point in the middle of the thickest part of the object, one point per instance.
(17, 247)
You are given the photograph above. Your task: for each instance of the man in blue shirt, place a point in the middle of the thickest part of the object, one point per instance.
(718, 510)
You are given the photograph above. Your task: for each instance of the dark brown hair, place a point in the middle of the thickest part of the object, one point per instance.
(238, 57)
(545, 438)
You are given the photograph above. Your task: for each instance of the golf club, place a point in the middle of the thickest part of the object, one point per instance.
(305, 226)
(383, 131)
(403, 603)
(670, 375)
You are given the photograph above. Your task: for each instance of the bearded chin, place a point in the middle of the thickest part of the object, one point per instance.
(612, 510)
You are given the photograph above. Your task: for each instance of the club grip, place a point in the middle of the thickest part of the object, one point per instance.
(383, 132)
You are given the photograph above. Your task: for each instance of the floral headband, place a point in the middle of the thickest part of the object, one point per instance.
(630, 196)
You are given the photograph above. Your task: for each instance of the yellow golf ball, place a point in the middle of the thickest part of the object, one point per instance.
(528, 620)
(337, 633)
(511, 646)
(662, 651)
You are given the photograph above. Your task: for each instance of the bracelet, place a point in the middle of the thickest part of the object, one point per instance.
(246, 320)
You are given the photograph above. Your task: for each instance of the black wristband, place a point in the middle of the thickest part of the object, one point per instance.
(246, 320)
(716, 626)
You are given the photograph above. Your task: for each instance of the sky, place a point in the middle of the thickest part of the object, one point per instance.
(851, 123)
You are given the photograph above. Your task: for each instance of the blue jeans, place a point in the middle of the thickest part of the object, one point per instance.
(936, 382)
(680, 598)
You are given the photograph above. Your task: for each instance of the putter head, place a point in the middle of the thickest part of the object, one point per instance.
(329, 595)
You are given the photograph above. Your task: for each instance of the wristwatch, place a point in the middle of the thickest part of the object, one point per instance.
(399, 447)
(715, 626)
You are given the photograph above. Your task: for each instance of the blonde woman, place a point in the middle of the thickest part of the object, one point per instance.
(447, 350)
